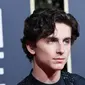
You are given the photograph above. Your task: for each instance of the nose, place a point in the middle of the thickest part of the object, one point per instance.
(60, 49)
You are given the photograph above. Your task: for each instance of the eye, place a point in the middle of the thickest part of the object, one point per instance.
(51, 40)
(68, 41)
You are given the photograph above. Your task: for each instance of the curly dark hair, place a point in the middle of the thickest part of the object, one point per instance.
(41, 24)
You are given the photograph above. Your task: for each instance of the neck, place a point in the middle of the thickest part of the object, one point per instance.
(46, 75)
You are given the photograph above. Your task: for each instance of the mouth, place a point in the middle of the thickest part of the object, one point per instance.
(59, 60)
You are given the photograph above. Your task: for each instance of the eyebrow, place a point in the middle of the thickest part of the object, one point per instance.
(56, 39)
(52, 38)
(67, 38)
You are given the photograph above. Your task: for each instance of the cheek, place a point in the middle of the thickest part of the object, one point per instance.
(41, 52)
(51, 50)
(45, 53)
(47, 49)
(68, 49)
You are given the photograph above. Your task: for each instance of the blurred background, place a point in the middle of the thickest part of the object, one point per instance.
(14, 66)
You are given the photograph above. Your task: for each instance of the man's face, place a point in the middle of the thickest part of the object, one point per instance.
(53, 51)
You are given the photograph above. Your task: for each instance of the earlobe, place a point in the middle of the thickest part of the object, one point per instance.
(30, 49)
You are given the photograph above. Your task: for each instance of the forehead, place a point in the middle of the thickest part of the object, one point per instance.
(61, 30)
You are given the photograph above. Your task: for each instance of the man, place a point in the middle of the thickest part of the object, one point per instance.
(48, 36)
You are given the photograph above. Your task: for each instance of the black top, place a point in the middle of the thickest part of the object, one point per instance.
(65, 79)
(37, 82)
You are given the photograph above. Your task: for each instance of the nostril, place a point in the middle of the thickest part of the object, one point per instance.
(60, 53)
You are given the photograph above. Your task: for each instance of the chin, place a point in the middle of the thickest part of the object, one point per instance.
(60, 67)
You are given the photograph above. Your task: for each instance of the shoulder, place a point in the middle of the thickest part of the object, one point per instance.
(25, 81)
(77, 79)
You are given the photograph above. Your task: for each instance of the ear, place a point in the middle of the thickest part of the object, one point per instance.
(30, 48)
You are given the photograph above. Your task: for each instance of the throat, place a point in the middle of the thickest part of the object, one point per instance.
(53, 78)
(48, 77)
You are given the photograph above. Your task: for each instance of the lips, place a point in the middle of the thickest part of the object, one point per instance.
(59, 60)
